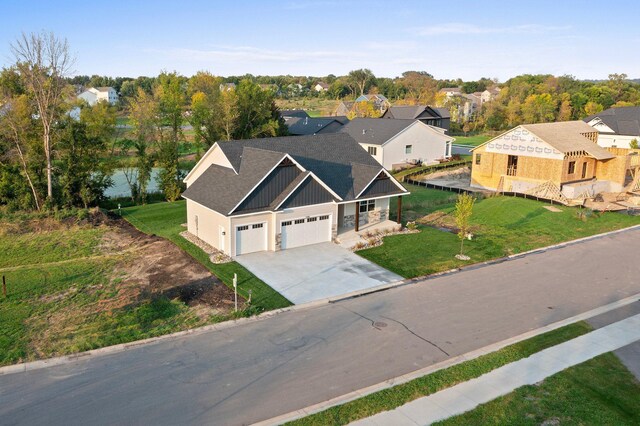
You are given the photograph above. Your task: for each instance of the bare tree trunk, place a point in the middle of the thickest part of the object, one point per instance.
(26, 173)
(47, 153)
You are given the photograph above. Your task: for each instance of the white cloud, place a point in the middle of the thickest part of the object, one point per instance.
(462, 28)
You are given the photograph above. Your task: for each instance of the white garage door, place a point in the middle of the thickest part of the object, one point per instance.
(305, 231)
(251, 237)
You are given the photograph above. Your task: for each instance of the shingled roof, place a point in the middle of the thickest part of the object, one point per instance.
(623, 120)
(407, 112)
(336, 159)
(375, 131)
(311, 125)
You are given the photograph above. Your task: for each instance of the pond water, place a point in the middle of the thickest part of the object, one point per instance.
(120, 187)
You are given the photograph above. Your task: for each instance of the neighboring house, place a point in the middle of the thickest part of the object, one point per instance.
(450, 91)
(380, 102)
(289, 113)
(438, 117)
(489, 94)
(225, 87)
(278, 193)
(550, 160)
(394, 143)
(314, 125)
(321, 87)
(344, 108)
(93, 95)
(616, 127)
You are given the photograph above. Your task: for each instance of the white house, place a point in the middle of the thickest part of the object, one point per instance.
(616, 127)
(395, 142)
(279, 193)
(101, 94)
(321, 87)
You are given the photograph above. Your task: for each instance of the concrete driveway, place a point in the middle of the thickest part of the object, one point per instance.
(315, 272)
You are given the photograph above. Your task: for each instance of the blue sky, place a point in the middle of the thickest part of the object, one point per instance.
(466, 39)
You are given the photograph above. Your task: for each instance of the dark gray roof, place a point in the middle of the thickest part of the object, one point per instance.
(293, 113)
(375, 131)
(310, 125)
(623, 120)
(221, 189)
(406, 112)
(335, 158)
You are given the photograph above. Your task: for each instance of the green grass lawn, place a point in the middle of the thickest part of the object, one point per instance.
(166, 219)
(433, 168)
(472, 140)
(73, 304)
(501, 226)
(396, 396)
(600, 391)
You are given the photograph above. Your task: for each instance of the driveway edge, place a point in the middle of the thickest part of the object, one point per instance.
(304, 412)
(50, 362)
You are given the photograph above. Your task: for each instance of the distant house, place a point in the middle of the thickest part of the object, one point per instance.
(380, 102)
(289, 113)
(450, 91)
(225, 87)
(278, 193)
(299, 126)
(93, 95)
(560, 161)
(394, 142)
(343, 108)
(489, 94)
(321, 87)
(433, 116)
(616, 127)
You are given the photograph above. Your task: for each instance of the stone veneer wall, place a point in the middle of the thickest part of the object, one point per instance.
(374, 216)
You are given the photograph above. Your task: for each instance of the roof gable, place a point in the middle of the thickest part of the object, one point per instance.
(621, 121)
(376, 131)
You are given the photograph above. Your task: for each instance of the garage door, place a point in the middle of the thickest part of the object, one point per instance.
(305, 231)
(251, 238)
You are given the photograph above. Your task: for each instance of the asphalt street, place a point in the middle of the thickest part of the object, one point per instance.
(262, 369)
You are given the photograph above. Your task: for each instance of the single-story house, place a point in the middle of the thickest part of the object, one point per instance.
(93, 95)
(433, 116)
(321, 86)
(394, 143)
(289, 113)
(314, 125)
(380, 102)
(278, 193)
(551, 160)
(616, 127)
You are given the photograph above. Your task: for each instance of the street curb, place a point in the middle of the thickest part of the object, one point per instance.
(304, 412)
(50, 362)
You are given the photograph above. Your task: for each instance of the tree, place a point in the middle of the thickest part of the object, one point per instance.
(363, 109)
(633, 144)
(464, 209)
(43, 61)
(359, 80)
(592, 108)
(538, 108)
(565, 113)
(257, 114)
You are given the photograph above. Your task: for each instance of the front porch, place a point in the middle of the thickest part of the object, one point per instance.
(350, 237)
(363, 214)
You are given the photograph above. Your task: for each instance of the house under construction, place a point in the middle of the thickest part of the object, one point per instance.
(558, 161)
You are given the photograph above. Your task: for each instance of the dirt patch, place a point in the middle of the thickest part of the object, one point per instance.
(158, 267)
(462, 174)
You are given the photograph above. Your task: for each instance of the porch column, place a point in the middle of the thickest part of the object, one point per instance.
(400, 209)
(357, 216)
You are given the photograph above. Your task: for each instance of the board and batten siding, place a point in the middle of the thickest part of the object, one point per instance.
(308, 193)
(270, 188)
(205, 224)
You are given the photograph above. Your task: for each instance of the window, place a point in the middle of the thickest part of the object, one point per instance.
(287, 223)
(325, 217)
(408, 149)
(372, 150)
(477, 159)
(257, 225)
(572, 167)
(312, 219)
(367, 206)
(298, 221)
(243, 227)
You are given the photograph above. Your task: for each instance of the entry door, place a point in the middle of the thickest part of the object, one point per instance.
(512, 165)
(251, 238)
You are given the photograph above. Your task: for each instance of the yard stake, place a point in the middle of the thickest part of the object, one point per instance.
(4, 286)
(235, 290)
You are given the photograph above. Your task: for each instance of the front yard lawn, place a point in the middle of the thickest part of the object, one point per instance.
(166, 219)
(600, 391)
(502, 226)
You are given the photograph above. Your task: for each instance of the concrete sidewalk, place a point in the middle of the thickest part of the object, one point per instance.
(468, 395)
